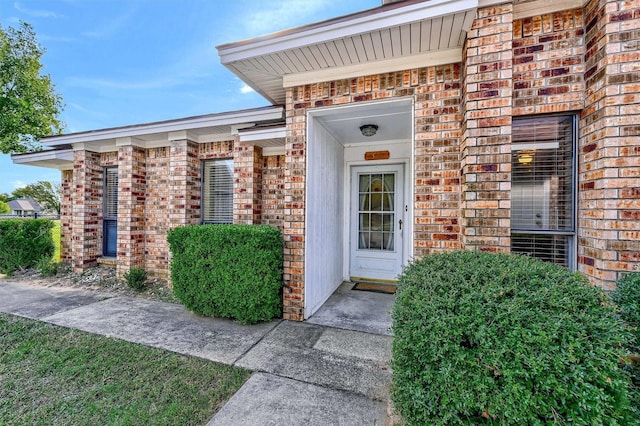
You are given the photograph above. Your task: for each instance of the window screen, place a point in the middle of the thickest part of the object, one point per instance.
(217, 187)
(542, 187)
(111, 193)
(110, 219)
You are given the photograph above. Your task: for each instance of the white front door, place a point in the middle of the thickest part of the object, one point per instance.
(377, 222)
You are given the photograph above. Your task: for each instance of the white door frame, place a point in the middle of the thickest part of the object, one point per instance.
(377, 265)
(407, 249)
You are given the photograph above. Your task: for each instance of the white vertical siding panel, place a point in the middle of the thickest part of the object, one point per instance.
(324, 233)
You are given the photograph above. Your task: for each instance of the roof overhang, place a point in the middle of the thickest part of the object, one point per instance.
(201, 129)
(61, 159)
(392, 37)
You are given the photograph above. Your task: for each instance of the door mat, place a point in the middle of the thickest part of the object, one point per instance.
(375, 287)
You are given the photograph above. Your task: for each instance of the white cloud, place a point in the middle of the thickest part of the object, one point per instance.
(246, 89)
(281, 14)
(18, 184)
(38, 13)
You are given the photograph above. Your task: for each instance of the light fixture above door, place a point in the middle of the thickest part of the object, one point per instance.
(368, 129)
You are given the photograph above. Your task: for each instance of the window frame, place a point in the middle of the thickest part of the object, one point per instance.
(106, 220)
(204, 191)
(572, 231)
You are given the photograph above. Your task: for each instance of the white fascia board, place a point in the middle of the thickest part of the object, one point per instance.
(341, 28)
(440, 57)
(541, 7)
(224, 119)
(263, 134)
(57, 159)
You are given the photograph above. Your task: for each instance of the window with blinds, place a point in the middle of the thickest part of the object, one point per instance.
(217, 191)
(111, 193)
(110, 213)
(543, 187)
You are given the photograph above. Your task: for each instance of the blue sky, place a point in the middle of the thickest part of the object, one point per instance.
(118, 62)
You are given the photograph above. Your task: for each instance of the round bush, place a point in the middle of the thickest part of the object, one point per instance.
(505, 339)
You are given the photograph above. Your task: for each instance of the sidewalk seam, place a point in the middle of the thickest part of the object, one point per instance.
(242, 355)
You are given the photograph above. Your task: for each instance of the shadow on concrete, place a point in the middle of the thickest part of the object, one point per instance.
(356, 310)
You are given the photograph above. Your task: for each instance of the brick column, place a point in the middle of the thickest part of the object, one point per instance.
(609, 152)
(247, 186)
(185, 182)
(131, 207)
(294, 208)
(486, 118)
(437, 160)
(86, 243)
(66, 216)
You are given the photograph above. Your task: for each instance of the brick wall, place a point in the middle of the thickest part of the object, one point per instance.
(185, 183)
(157, 208)
(272, 190)
(132, 192)
(294, 203)
(548, 63)
(437, 159)
(609, 153)
(86, 242)
(247, 184)
(66, 216)
(486, 125)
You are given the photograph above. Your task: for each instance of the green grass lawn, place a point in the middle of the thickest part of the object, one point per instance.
(55, 232)
(53, 375)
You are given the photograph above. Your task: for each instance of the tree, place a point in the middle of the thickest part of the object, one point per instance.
(29, 105)
(47, 194)
(4, 207)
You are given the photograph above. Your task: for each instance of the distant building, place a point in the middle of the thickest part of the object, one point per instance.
(24, 207)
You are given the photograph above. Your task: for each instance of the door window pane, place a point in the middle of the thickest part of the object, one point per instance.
(376, 195)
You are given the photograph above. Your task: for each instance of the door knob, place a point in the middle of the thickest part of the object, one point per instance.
(400, 223)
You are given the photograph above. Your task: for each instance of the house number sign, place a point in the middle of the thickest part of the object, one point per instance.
(376, 155)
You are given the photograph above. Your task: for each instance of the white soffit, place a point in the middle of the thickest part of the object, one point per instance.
(54, 159)
(392, 37)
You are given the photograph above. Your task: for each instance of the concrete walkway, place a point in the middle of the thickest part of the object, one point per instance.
(304, 374)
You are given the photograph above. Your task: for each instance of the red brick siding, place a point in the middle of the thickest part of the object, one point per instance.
(132, 192)
(186, 186)
(609, 157)
(86, 243)
(273, 190)
(157, 207)
(247, 203)
(437, 159)
(548, 63)
(486, 124)
(66, 216)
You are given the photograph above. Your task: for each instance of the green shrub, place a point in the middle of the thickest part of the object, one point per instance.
(627, 297)
(23, 242)
(136, 278)
(228, 271)
(48, 267)
(485, 338)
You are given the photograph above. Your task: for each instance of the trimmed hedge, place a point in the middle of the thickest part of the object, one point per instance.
(627, 297)
(485, 338)
(23, 242)
(229, 271)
